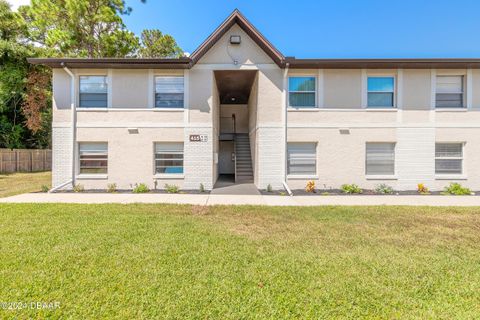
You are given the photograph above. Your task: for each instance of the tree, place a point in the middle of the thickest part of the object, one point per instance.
(81, 28)
(20, 128)
(155, 44)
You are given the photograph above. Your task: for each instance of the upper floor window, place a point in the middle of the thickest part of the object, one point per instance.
(301, 92)
(302, 158)
(169, 92)
(380, 158)
(93, 92)
(381, 91)
(449, 92)
(93, 157)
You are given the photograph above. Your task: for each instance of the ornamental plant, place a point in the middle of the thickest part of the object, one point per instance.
(171, 188)
(457, 189)
(351, 189)
(383, 188)
(422, 189)
(112, 187)
(141, 188)
(310, 187)
(78, 188)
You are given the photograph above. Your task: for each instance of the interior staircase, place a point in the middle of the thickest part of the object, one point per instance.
(244, 169)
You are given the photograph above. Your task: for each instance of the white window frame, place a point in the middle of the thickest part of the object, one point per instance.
(307, 175)
(447, 176)
(463, 93)
(301, 75)
(394, 92)
(168, 175)
(91, 175)
(385, 176)
(154, 91)
(109, 89)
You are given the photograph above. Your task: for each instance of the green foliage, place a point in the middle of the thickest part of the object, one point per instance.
(269, 188)
(141, 188)
(81, 28)
(351, 189)
(45, 188)
(78, 188)
(58, 28)
(171, 188)
(384, 188)
(155, 44)
(456, 189)
(112, 187)
(202, 188)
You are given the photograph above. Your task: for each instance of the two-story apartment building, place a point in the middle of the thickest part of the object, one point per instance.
(238, 106)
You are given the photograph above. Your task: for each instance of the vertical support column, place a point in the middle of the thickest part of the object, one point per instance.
(364, 88)
(198, 158)
(469, 88)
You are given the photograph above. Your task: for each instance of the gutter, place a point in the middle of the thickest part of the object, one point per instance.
(74, 122)
(285, 98)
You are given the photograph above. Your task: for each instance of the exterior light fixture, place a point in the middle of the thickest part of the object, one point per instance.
(132, 130)
(344, 130)
(235, 39)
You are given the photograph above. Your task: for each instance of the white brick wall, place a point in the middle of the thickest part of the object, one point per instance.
(198, 159)
(270, 146)
(415, 157)
(61, 155)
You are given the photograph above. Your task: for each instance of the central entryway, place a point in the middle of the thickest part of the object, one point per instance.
(235, 109)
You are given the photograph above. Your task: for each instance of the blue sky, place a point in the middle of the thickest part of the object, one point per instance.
(328, 29)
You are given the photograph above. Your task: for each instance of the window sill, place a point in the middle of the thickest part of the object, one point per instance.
(451, 109)
(168, 109)
(79, 109)
(381, 109)
(303, 109)
(169, 176)
(450, 177)
(92, 176)
(302, 177)
(381, 177)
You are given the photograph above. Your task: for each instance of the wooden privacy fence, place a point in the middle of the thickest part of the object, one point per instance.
(25, 160)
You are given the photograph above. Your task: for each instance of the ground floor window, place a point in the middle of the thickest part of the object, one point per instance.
(302, 158)
(380, 158)
(448, 158)
(93, 157)
(169, 157)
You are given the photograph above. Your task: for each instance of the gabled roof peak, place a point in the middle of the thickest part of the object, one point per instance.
(236, 17)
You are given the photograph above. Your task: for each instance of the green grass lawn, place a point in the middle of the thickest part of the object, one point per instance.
(16, 183)
(192, 262)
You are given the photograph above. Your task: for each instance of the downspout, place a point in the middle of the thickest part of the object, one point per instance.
(74, 120)
(285, 101)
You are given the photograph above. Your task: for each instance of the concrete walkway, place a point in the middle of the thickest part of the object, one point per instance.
(227, 185)
(217, 199)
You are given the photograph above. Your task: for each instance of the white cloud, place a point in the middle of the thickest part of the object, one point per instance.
(16, 3)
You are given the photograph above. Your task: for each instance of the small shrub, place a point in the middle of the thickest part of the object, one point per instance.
(78, 188)
(141, 188)
(326, 193)
(269, 188)
(422, 189)
(283, 193)
(383, 188)
(171, 188)
(351, 189)
(112, 187)
(456, 189)
(202, 188)
(45, 188)
(310, 187)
